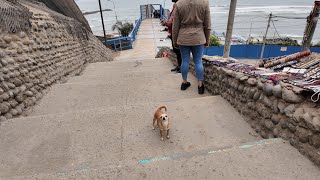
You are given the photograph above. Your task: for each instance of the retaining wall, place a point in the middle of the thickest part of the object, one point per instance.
(272, 110)
(46, 49)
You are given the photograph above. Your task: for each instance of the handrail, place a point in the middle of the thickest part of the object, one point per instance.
(132, 36)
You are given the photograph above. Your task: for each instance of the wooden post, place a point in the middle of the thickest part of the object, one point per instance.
(104, 31)
(227, 44)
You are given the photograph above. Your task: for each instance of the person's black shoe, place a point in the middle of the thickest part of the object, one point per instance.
(201, 89)
(178, 70)
(185, 86)
(174, 69)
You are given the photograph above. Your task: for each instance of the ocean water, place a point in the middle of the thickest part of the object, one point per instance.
(251, 15)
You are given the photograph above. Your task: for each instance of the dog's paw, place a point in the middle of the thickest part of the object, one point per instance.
(168, 137)
(161, 139)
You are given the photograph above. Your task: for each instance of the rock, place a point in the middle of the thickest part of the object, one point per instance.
(310, 122)
(260, 84)
(29, 85)
(5, 70)
(270, 135)
(294, 142)
(257, 95)
(10, 85)
(3, 118)
(284, 124)
(316, 124)
(244, 78)
(307, 118)
(13, 103)
(267, 88)
(240, 88)
(1, 91)
(316, 140)
(281, 106)
(10, 93)
(284, 135)
(297, 115)
(228, 72)
(5, 96)
(268, 124)
(275, 119)
(252, 92)
(277, 91)
(22, 35)
(17, 82)
(29, 93)
(23, 88)
(19, 109)
(275, 106)
(4, 62)
(289, 96)
(7, 38)
(289, 110)
(266, 101)
(252, 81)
(14, 112)
(19, 98)
(4, 108)
(303, 135)
(264, 134)
(292, 127)
(16, 91)
(8, 115)
(239, 75)
(275, 132)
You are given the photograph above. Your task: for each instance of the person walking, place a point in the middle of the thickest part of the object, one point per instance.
(191, 33)
(169, 24)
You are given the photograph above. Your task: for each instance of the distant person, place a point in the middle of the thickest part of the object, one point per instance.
(191, 33)
(169, 24)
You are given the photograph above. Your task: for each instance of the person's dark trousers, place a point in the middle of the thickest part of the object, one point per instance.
(177, 51)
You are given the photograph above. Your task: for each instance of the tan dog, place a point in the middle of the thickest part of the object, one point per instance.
(161, 120)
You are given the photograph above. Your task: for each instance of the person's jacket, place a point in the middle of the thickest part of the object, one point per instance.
(170, 20)
(192, 23)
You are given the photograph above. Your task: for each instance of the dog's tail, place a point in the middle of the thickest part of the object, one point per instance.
(162, 107)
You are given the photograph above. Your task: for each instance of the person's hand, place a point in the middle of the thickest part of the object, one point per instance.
(206, 45)
(176, 46)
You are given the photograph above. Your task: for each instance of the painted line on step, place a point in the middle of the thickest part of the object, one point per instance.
(182, 155)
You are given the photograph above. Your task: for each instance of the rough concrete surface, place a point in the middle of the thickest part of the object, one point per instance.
(98, 126)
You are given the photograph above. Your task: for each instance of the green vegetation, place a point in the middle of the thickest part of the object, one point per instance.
(123, 29)
(285, 41)
(214, 41)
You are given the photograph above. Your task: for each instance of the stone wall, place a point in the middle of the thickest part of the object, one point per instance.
(52, 48)
(272, 110)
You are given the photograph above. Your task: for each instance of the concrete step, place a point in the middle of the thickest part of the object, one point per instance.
(108, 87)
(109, 71)
(208, 139)
(246, 161)
(267, 159)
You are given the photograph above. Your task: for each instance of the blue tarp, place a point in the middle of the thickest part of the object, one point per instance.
(253, 51)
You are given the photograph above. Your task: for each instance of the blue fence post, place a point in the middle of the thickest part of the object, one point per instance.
(140, 11)
(161, 13)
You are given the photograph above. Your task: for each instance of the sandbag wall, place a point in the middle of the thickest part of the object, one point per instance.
(42, 51)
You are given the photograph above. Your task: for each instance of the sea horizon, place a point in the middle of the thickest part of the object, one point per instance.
(251, 16)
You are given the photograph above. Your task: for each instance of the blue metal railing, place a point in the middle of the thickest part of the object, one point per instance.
(123, 43)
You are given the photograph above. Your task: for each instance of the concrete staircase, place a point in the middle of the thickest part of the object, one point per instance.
(98, 126)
